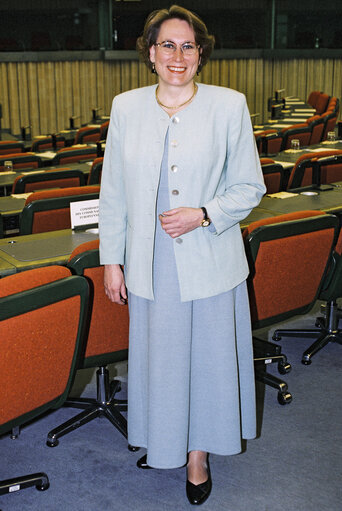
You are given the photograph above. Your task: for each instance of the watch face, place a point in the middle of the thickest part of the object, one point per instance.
(205, 223)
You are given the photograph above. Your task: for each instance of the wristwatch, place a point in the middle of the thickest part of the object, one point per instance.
(206, 220)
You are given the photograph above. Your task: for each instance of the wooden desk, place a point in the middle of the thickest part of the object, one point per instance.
(34, 250)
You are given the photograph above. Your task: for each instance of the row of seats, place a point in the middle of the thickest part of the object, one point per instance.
(311, 168)
(83, 329)
(84, 135)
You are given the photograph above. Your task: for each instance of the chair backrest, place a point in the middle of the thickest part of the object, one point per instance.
(87, 134)
(104, 130)
(330, 123)
(107, 337)
(288, 258)
(11, 147)
(329, 168)
(322, 103)
(275, 176)
(74, 154)
(313, 98)
(272, 143)
(317, 123)
(302, 132)
(49, 210)
(21, 161)
(302, 173)
(46, 143)
(42, 318)
(61, 178)
(95, 172)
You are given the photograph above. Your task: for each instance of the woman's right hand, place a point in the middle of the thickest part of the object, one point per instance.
(114, 284)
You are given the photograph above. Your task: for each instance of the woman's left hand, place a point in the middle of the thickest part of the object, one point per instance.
(178, 221)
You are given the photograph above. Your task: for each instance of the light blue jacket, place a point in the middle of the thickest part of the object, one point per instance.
(213, 162)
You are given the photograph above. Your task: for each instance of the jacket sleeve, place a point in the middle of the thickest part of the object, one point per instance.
(244, 183)
(112, 208)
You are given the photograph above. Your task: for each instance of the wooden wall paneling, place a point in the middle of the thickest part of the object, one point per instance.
(13, 97)
(4, 96)
(76, 93)
(33, 92)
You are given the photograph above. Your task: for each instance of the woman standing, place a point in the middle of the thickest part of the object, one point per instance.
(180, 172)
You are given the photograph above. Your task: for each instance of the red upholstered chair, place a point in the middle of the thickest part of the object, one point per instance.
(60, 178)
(322, 103)
(11, 147)
(106, 342)
(288, 258)
(272, 143)
(302, 132)
(327, 327)
(330, 119)
(49, 210)
(74, 154)
(21, 161)
(275, 176)
(87, 134)
(95, 171)
(317, 123)
(313, 98)
(104, 130)
(302, 174)
(42, 317)
(46, 143)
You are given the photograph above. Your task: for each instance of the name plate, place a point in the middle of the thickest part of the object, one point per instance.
(84, 213)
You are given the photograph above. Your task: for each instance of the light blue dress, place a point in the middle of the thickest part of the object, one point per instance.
(190, 369)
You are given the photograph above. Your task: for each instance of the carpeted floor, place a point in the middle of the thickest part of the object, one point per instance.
(294, 465)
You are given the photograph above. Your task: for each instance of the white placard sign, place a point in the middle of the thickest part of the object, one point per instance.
(85, 212)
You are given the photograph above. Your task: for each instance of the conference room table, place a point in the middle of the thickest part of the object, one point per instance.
(19, 253)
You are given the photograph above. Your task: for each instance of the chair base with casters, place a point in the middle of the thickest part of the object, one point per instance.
(266, 353)
(105, 405)
(40, 480)
(326, 331)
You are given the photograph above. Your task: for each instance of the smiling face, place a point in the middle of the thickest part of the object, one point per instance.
(175, 69)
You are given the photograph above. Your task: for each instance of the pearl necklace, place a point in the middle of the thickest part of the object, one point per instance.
(177, 106)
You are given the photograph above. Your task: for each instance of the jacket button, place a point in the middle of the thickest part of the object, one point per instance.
(175, 192)
(175, 119)
(174, 168)
(179, 241)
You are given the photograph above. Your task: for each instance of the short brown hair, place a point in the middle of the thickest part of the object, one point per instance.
(154, 22)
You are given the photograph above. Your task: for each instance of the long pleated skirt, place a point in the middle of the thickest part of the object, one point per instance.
(190, 370)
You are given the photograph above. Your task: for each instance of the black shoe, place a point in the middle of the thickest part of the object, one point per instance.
(142, 462)
(198, 493)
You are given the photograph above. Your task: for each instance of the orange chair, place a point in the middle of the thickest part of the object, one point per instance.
(275, 176)
(302, 132)
(95, 172)
(21, 161)
(87, 134)
(46, 143)
(11, 147)
(288, 258)
(106, 343)
(49, 210)
(104, 130)
(317, 123)
(57, 178)
(313, 98)
(322, 103)
(302, 172)
(42, 319)
(272, 143)
(74, 154)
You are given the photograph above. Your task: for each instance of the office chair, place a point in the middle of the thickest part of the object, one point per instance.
(317, 123)
(288, 257)
(74, 154)
(11, 147)
(42, 318)
(302, 172)
(275, 176)
(313, 98)
(49, 210)
(302, 132)
(48, 142)
(272, 143)
(322, 103)
(87, 134)
(106, 342)
(104, 130)
(21, 161)
(57, 178)
(95, 172)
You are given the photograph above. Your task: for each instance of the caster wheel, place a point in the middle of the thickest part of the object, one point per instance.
(43, 487)
(284, 368)
(133, 448)
(114, 386)
(276, 337)
(52, 443)
(284, 398)
(306, 361)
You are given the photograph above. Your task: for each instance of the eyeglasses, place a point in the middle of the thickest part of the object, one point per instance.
(169, 47)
